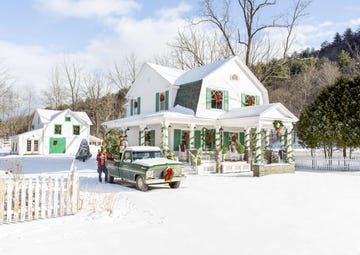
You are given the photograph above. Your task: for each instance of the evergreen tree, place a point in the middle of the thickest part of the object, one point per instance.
(333, 119)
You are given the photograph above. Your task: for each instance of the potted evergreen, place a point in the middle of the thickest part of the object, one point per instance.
(241, 150)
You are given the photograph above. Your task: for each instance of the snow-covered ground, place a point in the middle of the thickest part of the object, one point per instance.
(301, 213)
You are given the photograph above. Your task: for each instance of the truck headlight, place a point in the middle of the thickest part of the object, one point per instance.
(150, 174)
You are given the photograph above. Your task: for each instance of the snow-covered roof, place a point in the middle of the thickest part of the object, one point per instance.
(170, 74)
(201, 72)
(260, 111)
(47, 116)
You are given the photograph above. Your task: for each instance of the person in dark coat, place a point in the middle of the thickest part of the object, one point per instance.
(101, 159)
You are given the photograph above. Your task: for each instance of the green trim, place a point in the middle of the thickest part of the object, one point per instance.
(74, 130)
(226, 100)
(57, 129)
(257, 100)
(242, 138)
(197, 139)
(167, 100)
(208, 98)
(177, 139)
(152, 137)
(225, 139)
(157, 102)
(67, 118)
(243, 96)
(138, 105)
(57, 145)
(131, 107)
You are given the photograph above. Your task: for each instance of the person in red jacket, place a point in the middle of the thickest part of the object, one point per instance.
(101, 159)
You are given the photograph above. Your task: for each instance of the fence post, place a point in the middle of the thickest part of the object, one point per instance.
(23, 200)
(9, 194)
(30, 199)
(74, 188)
(2, 200)
(37, 199)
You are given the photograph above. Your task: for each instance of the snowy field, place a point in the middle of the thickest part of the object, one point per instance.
(301, 213)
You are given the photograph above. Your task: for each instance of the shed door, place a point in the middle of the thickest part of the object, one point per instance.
(57, 145)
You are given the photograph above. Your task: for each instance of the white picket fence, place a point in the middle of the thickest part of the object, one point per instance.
(336, 164)
(38, 198)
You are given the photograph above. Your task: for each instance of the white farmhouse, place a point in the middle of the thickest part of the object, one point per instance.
(206, 109)
(54, 132)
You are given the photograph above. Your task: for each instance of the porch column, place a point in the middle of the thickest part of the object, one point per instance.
(218, 151)
(247, 145)
(165, 136)
(142, 135)
(192, 137)
(289, 152)
(267, 145)
(258, 149)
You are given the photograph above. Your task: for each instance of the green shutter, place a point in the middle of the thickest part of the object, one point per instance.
(212, 132)
(242, 138)
(157, 100)
(177, 139)
(167, 100)
(226, 139)
(152, 138)
(208, 98)
(226, 100)
(197, 140)
(131, 107)
(243, 99)
(139, 137)
(138, 104)
(257, 100)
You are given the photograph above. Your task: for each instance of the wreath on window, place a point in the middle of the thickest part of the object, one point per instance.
(278, 125)
(55, 142)
(162, 97)
(135, 104)
(57, 129)
(250, 100)
(233, 138)
(186, 136)
(218, 97)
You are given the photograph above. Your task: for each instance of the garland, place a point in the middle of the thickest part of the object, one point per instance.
(169, 174)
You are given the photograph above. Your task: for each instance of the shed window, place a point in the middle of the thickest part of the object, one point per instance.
(28, 145)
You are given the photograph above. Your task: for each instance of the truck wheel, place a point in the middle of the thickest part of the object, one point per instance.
(140, 184)
(111, 179)
(174, 185)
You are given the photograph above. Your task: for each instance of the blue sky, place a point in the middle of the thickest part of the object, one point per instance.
(35, 35)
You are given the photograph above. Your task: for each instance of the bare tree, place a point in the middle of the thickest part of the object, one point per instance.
(72, 73)
(298, 12)
(123, 76)
(196, 47)
(56, 95)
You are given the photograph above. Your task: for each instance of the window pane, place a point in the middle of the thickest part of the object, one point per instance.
(36, 145)
(28, 145)
(217, 99)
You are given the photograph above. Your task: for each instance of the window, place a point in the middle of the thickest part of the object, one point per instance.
(135, 106)
(249, 100)
(76, 129)
(162, 101)
(234, 77)
(217, 99)
(67, 118)
(28, 145)
(57, 129)
(36, 145)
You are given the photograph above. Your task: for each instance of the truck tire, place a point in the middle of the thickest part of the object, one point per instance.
(140, 184)
(174, 185)
(111, 179)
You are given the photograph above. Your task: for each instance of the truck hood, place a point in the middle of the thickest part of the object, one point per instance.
(156, 161)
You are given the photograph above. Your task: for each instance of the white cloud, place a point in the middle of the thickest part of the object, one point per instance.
(89, 8)
(174, 12)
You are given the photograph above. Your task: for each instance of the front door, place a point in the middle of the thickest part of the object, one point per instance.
(57, 145)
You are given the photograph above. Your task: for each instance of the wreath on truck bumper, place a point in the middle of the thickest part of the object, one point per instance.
(168, 174)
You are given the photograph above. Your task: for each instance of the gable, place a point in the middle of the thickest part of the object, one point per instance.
(188, 95)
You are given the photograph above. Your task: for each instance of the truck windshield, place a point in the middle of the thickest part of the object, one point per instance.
(147, 154)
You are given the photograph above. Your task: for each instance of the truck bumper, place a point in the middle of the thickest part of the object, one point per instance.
(159, 181)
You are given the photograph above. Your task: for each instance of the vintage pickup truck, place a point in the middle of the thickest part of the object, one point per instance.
(146, 165)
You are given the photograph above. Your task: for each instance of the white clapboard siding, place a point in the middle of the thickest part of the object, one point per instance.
(38, 198)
